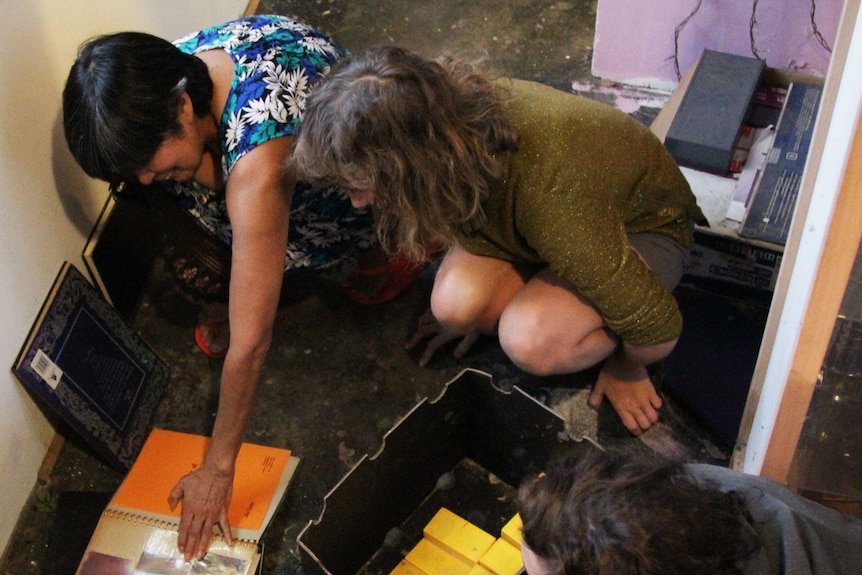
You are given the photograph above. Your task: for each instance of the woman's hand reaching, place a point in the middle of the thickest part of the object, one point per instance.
(430, 327)
(205, 494)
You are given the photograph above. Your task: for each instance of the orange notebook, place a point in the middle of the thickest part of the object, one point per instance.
(138, 529)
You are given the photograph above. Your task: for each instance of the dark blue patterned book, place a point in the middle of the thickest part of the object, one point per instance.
(85, 362)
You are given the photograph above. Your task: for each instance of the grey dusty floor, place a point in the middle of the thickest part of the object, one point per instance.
(338, 376)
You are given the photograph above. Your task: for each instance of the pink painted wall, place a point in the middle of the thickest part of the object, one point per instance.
(634, 41)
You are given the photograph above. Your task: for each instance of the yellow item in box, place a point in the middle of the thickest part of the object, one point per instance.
(502, 558)
(479, 570)
(458, 536)
(511, 531)
(405, 568)
(434, 560)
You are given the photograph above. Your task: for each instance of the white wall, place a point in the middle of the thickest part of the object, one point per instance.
(48, 205)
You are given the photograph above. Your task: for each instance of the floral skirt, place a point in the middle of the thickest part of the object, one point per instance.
(325, 232)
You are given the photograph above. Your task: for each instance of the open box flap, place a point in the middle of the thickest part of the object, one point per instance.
(508, 433)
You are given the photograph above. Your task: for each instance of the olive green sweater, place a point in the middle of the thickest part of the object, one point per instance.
(585, 176)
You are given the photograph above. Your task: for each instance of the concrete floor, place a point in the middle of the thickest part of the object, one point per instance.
(338, 377)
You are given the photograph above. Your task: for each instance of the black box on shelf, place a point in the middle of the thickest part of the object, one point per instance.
(705, 129)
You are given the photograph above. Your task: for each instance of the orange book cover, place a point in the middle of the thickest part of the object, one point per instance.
(262, 476)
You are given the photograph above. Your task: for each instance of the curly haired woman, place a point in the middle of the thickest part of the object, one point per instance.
(567, 222)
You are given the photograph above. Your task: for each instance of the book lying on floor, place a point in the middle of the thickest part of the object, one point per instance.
(137, 532)
(89, 366)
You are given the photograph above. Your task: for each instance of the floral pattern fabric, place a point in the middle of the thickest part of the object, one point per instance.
(277, 61)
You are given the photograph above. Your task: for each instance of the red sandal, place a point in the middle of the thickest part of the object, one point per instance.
(398, 271)
(215, 329)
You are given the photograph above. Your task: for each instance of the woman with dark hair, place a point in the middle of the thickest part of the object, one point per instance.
(567, 222)
(212, 117)
(609, 513)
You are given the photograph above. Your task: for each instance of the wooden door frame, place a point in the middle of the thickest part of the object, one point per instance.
(819, 255)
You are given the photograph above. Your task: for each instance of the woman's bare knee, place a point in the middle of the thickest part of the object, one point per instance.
(541, 338)
(536, 353)
(524, 343)
(470, 292)
(451, 311)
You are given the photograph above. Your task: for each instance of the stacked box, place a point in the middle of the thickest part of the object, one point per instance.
(705, 129)
(773, 201)
(732, 266)
(460, 537)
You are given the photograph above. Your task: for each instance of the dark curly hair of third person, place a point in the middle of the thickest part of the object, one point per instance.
(607, 513)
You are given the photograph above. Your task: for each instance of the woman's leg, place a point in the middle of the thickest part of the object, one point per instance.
(549, 328)
(470, 291)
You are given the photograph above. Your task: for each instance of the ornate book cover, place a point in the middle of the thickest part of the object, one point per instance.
(87, 364)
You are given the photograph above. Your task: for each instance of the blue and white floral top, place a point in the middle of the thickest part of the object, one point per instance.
(277, 61)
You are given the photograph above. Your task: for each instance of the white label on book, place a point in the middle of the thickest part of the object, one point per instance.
(47, 369)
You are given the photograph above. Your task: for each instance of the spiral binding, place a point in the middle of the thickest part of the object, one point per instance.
(169, 526)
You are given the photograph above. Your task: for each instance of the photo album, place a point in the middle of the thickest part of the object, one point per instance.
(137, 532)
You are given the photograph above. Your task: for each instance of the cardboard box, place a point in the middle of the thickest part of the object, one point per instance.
(508, 433)
(733, 266)
(723, 260)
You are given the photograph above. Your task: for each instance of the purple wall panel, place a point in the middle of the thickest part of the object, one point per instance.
(635, 40)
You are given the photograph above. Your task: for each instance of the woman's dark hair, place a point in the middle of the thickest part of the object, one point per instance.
(420, 135)
(607, 513)
(122, 100)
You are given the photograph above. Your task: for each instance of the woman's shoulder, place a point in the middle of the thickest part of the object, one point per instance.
(519, 89)
(260, 34)
(536, 104)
